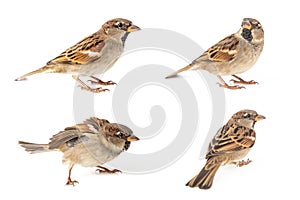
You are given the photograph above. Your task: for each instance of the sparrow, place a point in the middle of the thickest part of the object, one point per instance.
(233, 55)
(230, 144)
(93, 55)
(90, 144)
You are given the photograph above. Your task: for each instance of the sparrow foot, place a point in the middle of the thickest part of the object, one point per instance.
(223, 84)
(105, 170)
(88, 88)
(100, 82)
(70, 182)
(231, 87)
(242, 81)
(242, 162)
(94, 90)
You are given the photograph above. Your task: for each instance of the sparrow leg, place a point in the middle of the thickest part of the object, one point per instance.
(105, 170)
(242, 81)
(69, 181)
(225, 85)
(86, 87)
(100, 82)
(242, 162)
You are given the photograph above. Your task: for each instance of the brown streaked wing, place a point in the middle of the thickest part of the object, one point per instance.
(84, 52)
(96, 123)
(92, 126)
(244, 137)
(62, 137)
(223, 51)
(232, 138)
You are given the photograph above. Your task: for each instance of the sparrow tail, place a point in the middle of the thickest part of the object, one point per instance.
(205, 178)
(40, 70)
(180, 70)
(34, 148)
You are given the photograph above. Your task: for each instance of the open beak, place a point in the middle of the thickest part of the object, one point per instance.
(133, 28)
(259, 117)
(132, 138)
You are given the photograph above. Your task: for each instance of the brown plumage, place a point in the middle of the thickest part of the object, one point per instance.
(234, 54)
(93, 55)
(90, 144)
(231, 143)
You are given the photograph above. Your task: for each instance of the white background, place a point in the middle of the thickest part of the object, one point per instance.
(33, 32)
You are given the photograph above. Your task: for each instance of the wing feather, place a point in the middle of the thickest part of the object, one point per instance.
(231, 138)
(85, 51)
(223, 51)
(92, 125)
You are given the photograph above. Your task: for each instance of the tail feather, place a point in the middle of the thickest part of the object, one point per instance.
(180, 70)
(40, 70)
(205, 178)
(34, 148)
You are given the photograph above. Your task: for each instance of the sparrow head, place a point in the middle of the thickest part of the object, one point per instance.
(252, 31)
(247, 118)
(119, 135)
(119, 26)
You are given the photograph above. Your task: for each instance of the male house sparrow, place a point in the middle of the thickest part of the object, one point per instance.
(233, 55)
(93, 55)
(90, 144)
(231, 143)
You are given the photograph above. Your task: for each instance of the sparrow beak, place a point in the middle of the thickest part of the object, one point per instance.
(259, 117)
(132, 138)
(133, 28)
(246, 24)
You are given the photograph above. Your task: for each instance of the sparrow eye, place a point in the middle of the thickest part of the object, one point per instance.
(247, 115)
(119, 134)
(118, 25)
(256, 25)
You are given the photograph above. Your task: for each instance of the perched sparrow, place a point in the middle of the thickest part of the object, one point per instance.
(90, 144)
(93, 55)
(231, 143)
(233, 55)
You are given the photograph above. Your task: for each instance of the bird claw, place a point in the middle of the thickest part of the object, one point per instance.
(105, 170)
(92, 82)
(70, 182)
(243, 162)
(231, 87)
(109, 83)
(102, 82)
(100, 171)
(94, 90)
(252, 82)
